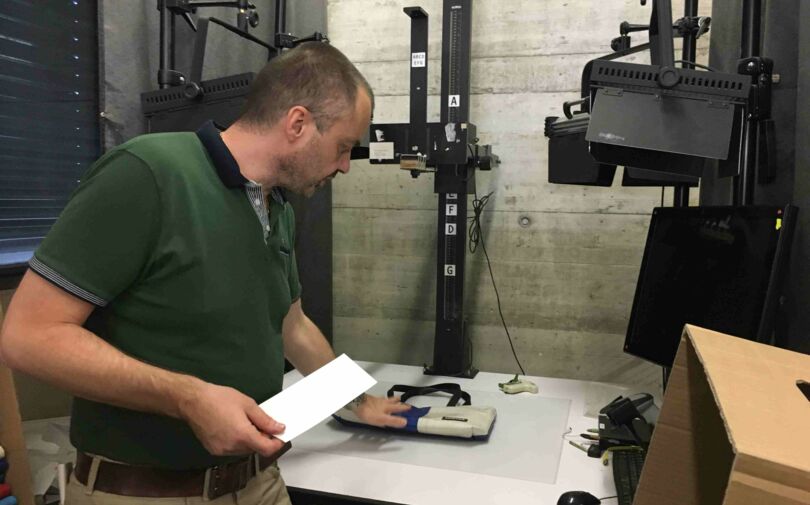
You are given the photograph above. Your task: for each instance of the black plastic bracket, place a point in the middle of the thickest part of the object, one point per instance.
(289, 41)
(170, 78)
(759, 110)
(761, 71)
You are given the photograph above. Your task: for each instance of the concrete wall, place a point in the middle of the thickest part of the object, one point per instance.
(567, 279)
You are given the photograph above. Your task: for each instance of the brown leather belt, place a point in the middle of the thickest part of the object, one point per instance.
(147, 482)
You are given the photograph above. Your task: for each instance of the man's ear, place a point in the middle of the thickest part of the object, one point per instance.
(296, 122)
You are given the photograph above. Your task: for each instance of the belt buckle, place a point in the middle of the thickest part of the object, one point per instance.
(221, 480)
(215, 490)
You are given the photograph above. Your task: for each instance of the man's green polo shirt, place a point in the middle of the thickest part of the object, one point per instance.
(188, 272)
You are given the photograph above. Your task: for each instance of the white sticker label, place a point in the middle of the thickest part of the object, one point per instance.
(381, 150)
(450, 270)
(454, 101)
(450, 228)
(452, 196)
(451, 209)
(418, 59)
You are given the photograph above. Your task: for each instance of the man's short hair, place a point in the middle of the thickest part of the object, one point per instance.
(314, 75)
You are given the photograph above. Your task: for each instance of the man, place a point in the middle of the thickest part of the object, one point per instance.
(166, 296)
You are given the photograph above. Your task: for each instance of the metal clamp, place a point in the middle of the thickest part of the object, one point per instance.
(415, 163)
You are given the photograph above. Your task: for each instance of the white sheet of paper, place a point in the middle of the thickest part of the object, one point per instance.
(317, 396)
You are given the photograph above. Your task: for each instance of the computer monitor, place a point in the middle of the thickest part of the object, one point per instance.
(715, 267)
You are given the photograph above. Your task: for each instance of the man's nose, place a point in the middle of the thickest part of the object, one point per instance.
(344, 165)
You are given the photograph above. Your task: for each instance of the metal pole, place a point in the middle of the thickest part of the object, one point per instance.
(281, 16)
(689, 42)
(281, 22)
(451, 349)
(751, 32)
(681, 193)
(681, 197)
(172, 40)
(419, 68)
(165, 46)
(661, 47)
(242, 19)
(689, 53)
(750, 46)
(747, 178)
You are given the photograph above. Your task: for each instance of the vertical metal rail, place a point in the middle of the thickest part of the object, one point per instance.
(452, 351)
(418, 142)
(688, 53)
(744, 193)
(167, 41)
(662, 49)
(281, 20)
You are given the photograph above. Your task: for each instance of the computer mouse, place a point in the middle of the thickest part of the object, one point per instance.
(578, 498)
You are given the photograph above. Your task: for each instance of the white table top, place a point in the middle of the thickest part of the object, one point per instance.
(329, 471)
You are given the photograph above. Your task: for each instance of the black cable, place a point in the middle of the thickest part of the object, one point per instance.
(698, 65)
(662, 196)
(475, 225)
(609, 497)
(476, 237)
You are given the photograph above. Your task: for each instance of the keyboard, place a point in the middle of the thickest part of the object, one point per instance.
(626, 472)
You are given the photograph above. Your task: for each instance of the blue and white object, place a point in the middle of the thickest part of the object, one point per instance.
(466, 421)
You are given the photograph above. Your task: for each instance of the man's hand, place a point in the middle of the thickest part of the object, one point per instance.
(307, 349)
(378, 411)
(228, 422)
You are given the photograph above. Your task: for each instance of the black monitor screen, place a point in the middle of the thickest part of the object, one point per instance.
(707, 266)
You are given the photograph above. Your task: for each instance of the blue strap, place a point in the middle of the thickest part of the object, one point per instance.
(412, 416)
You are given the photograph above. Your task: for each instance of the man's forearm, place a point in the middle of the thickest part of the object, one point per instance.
(74, 359)
(305, 346)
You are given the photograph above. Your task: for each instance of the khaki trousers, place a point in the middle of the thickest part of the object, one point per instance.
(266, 488)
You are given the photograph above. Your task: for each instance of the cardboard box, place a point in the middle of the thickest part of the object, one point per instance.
(734, 428)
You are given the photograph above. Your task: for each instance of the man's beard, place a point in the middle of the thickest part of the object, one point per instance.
(295, 167)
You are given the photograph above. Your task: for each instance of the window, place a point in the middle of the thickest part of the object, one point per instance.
(49, 131)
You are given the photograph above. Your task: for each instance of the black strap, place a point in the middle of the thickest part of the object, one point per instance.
(454, 390)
